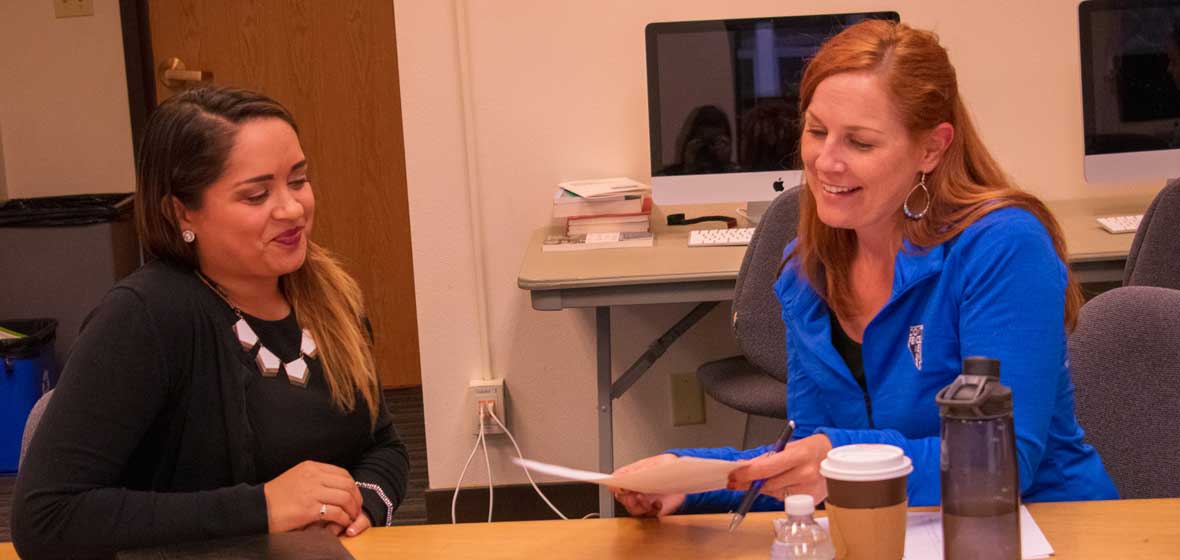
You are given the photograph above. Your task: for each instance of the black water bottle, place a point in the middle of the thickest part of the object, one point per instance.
(980, 480)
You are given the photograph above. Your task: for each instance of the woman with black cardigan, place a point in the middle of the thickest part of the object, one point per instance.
(227, 387)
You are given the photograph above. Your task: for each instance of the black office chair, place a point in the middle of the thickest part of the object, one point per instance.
(756, 382)
(1125, 362)
(1154, 259)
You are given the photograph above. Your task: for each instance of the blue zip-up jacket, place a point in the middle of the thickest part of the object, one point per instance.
(997, 290)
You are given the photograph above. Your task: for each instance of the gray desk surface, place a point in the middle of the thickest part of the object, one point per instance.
(672, 272)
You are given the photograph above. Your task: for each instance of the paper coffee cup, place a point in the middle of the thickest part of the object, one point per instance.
(866, 500)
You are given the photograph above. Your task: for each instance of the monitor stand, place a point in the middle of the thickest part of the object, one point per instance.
(754, 211)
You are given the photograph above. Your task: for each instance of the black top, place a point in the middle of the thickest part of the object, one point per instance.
(849, 350)
(161, 429)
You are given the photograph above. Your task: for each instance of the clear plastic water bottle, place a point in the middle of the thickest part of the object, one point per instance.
(798, 535)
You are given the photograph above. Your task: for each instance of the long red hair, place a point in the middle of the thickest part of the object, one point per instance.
(966, 185)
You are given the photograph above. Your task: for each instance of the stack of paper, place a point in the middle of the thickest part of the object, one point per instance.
(923, 536)
(611, 205)
(611, 186)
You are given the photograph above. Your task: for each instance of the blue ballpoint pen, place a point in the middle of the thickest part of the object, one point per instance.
(756, 486)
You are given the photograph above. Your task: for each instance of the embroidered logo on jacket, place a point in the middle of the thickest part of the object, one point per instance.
(915, 345)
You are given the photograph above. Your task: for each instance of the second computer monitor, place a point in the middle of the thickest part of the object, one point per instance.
(723, 104)
(1130, 88)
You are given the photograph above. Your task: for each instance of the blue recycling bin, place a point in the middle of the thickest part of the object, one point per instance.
(26, 372)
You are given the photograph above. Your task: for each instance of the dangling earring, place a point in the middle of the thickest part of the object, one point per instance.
(188, 236)
(905, 207)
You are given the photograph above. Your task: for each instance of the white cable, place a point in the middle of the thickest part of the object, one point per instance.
(459, 484)
(526, 469)
(479, 244)
(486, 460)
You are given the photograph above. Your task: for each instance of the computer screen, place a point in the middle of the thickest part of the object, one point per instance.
(723, 104)
(1130, 88)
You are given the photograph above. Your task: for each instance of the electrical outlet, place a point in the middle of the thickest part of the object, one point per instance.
(688, 400)
(73, 8)
(486, 392)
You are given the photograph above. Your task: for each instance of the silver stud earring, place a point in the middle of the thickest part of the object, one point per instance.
(905, 207)
(188, 236)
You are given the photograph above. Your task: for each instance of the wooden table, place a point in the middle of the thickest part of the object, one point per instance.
(1116, 529)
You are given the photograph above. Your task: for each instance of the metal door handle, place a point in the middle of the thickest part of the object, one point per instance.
(174, 75)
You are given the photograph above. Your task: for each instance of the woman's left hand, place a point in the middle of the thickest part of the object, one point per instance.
(794, 470)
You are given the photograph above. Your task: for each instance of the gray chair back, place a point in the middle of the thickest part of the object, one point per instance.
(1153, 260)
(1125, 362)
(31, 424)
(757, 320)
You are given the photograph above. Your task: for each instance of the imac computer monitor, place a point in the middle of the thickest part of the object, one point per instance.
(1130, 88)
(723, 104)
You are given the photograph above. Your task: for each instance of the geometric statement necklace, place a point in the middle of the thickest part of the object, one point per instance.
(268, 363)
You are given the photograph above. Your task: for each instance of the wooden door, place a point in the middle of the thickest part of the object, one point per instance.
(334, 65)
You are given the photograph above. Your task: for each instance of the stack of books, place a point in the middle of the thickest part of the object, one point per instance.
(601, 214)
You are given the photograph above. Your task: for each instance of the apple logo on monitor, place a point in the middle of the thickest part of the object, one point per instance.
(778, 185)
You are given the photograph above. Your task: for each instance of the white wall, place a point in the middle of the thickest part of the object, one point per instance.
(64, 116)
(555, 91)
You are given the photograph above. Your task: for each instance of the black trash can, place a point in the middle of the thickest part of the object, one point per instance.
(70, 210)
(59, 255)
(27, 371)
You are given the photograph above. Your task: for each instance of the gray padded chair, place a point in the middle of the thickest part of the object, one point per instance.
(31, 424)
(756, 382)
(1125, 362)
(1155, 253)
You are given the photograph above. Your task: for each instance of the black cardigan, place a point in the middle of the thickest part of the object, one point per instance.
(147, 440)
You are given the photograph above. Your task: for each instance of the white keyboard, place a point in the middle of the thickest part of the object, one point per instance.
(720, 237)
(1120, 224)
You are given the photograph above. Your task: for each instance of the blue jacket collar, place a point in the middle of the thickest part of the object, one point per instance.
(810, 317)
(912, 265)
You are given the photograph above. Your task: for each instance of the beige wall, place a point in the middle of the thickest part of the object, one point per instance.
(555, 91)
(526, 94)
(63, 102)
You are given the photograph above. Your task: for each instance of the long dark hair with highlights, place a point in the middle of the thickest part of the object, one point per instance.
(185, 147)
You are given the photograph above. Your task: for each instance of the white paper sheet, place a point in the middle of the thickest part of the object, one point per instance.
(684, 475)
(591, 188)
(923, 536)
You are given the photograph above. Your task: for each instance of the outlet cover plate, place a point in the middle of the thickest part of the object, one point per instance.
(480, 390)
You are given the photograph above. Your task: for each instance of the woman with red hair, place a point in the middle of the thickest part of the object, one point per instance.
(914, 251)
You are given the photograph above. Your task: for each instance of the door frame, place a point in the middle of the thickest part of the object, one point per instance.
(137, 58)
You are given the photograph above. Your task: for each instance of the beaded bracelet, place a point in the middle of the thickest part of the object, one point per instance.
(384, 498)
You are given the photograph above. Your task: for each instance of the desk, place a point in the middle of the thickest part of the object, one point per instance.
(672, 272)
(1094, 254)
(1116, 529)
(1138, 529)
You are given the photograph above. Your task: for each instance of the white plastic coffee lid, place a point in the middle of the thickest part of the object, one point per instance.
(800, 504)
(865, 462)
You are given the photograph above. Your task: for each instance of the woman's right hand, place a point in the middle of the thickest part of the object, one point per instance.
(294, 499)
(639, 504)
